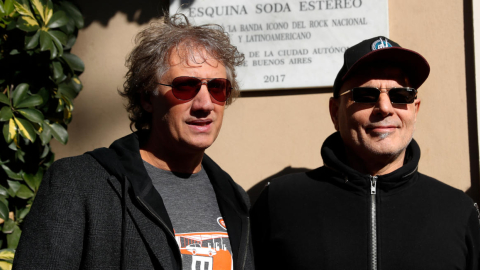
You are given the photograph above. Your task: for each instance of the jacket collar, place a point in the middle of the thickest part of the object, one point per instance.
(333, 154)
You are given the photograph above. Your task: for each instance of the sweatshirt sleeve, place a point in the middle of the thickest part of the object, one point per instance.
(473, 239)
(52, 236)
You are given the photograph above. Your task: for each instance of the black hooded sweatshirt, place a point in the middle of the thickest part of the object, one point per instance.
(334, 217)
(101, 211)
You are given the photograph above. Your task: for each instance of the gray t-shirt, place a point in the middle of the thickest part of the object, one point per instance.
(193, 209)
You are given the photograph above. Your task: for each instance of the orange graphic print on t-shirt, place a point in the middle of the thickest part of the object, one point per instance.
(207, 250)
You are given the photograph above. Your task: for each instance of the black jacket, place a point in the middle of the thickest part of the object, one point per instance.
(324, 219)
(101, 211)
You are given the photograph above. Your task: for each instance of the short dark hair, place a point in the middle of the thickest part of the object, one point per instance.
(149, 60)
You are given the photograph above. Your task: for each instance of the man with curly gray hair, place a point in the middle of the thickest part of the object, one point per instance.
(153, 199)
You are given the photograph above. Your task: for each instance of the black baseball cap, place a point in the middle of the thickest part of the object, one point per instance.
(380, 50)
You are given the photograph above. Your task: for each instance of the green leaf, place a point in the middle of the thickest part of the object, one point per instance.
(76, 84)
(14, 52)
(11, 174)
(20, 155)
(33, 115)
(62, 37)
(48, 11)
(73, 13)
(23, 213)
(30, 101)
(5, 114)
(46, 42)
(57, 70)
(70, 42)
(24, 192)
(2, 10)
(8, 226)
(46, 149)
(27, 24)
(23, 8)
(20, 93)
(3, 191)
(68, 28)
(58, 19)
(74, 62)
(59, 133)
(60, 105)
(6, 133)
(12, 238)
(26, 129)
(31, 41)
(4, 99)
(10, 131)
(30, 180)
(44, 94)
(68, 91)
(53, 51)
(13, 145)
(8, 7)
(39, 175)
(46, 135)
(40, 8)
(3, 211)
(14, 186)
(50, 160)
(57, 43)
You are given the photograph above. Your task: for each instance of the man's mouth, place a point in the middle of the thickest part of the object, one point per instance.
(200, 122)
(200, 125)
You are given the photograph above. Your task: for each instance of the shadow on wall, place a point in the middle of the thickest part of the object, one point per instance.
(139, 11)
(255, 191)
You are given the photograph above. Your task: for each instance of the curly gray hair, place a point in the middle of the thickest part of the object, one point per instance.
(149, 60)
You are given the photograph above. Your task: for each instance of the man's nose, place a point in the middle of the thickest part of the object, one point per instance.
(203, 100)
(384, 105)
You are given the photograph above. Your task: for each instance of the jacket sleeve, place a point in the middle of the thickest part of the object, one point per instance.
(52, 236)
(260, 220)
(473, 240)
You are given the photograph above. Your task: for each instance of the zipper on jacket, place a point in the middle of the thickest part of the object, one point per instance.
(373, 220)
(165, 228)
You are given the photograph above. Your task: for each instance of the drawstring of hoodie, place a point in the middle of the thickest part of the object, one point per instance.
(124, 223)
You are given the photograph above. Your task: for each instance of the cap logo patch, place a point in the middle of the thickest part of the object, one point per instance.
(380, 44)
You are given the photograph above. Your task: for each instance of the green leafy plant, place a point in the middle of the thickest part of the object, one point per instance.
(38, 82)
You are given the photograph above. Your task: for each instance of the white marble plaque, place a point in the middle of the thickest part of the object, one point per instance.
(290, 44)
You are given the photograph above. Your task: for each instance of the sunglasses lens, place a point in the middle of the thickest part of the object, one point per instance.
(365, 94)
(219, 89)
(402, 95)
(185, 88)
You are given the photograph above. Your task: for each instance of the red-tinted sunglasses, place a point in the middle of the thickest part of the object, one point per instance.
(186, 88)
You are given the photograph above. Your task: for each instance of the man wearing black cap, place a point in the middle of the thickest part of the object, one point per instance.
(368, 207)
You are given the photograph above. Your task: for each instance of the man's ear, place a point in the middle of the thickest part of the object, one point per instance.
(333, 106)
(145, 101)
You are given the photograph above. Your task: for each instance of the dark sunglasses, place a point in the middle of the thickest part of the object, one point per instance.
(397, 95)
(186, 88)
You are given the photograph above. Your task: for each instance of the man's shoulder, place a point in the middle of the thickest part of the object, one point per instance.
(443, 193)
(77, 164)
(77, 169)
(304, 180)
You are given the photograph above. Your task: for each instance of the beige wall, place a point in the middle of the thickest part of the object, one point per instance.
(262, 135)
